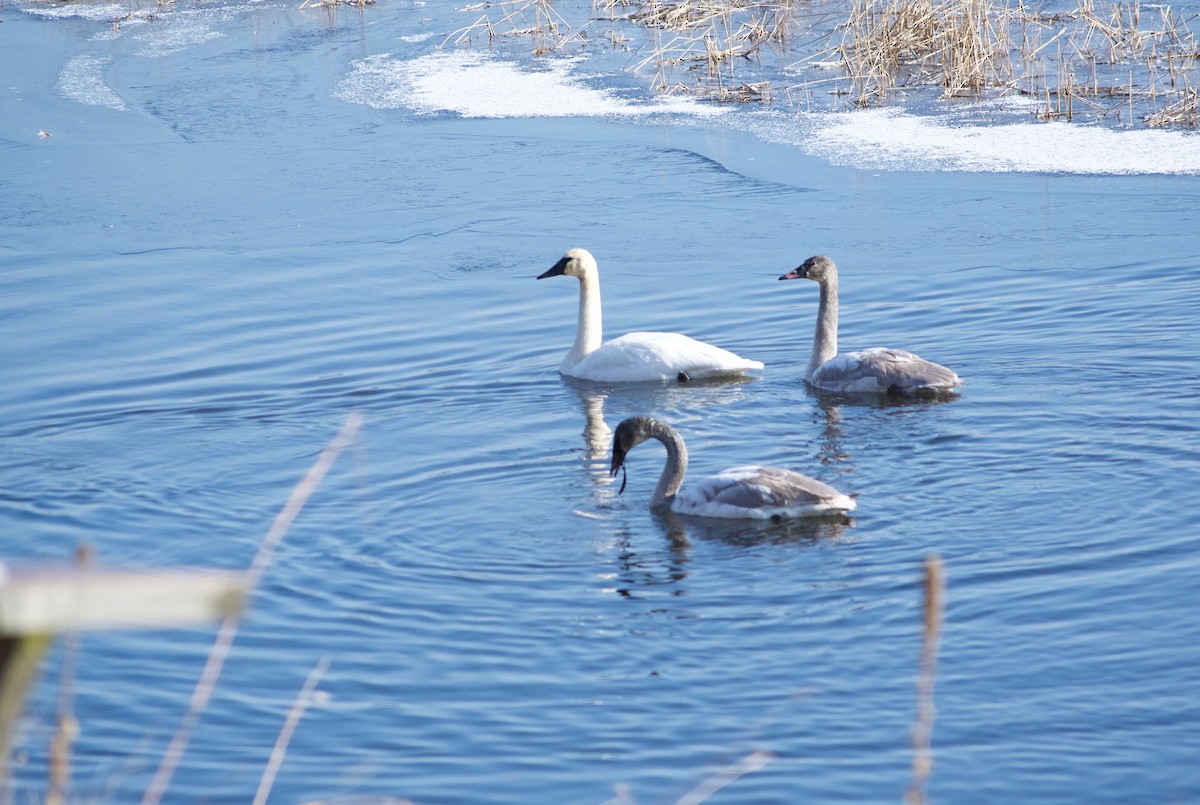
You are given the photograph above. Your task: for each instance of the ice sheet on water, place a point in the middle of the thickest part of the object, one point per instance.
(480, 85)
(173, 30)
(888, 139)
(106, 11)
(181, 30)
(82, 81)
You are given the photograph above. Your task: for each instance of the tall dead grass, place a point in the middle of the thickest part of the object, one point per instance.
(960, 45)
(1099, 61)
(1111, 62)
(708, 42)
(537, 20)
(1114, 60)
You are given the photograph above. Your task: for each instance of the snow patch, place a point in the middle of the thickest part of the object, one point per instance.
(479, 85)
(888, 139)
(82, 81)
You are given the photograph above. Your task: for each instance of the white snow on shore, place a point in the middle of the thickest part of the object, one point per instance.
(479, 85)
(889, 139)
(473, 84)
(61, 11)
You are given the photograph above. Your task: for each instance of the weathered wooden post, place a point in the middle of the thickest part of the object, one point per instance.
(37, 605)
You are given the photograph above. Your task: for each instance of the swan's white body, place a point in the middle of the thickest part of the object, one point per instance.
(874, 371)
(747, 492)
(636, 357)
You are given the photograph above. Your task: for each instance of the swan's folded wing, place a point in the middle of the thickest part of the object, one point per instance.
(659, 356)
(881, 370)
(760, 492)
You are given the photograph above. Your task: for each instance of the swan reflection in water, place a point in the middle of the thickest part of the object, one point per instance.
(866, 413)
(597, 435)
(658, 568)
(683, 530)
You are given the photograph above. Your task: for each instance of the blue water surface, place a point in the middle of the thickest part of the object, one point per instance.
(197, 288)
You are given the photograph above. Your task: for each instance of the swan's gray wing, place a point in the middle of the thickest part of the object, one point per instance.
(760, 492)
(883, 370)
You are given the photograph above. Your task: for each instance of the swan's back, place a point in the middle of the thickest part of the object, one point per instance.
(638, 357)
(760, 493)
(883, 370)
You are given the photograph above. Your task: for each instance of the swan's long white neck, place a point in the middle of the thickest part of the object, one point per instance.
(590, 332)
(825, 338)
(676, 467)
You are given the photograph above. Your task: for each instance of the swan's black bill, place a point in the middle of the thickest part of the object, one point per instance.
(618, 463)
(555, 270)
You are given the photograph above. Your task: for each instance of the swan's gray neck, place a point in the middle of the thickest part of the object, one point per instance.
(589, 333)
(825, 339)
(672, 474)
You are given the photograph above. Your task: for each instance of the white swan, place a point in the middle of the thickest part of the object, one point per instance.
(636, 357)
(761, 493)
(878, 370)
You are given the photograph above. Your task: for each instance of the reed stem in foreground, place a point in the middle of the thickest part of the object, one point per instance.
(303, 700)
(935, 586)
(262, 559)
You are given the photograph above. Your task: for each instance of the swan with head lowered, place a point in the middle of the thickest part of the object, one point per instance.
(635, 357)
(878, 370)
(748, 492)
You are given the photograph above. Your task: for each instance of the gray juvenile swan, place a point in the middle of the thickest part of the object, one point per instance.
(877, 370)
(636, 357)
(753, 492)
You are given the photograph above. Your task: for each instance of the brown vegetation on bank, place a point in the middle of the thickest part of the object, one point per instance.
(1114, 61)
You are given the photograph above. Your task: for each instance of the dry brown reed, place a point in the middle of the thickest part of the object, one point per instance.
(1184, 111)
(935, 586)
(332, 3)
(303, 699)
(225, 636)
(708, 40)
(537, 20)
(1110, 62)
(705, 40)
(752, 762)
(971, 46)
(1102, 59)
(66, 725)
